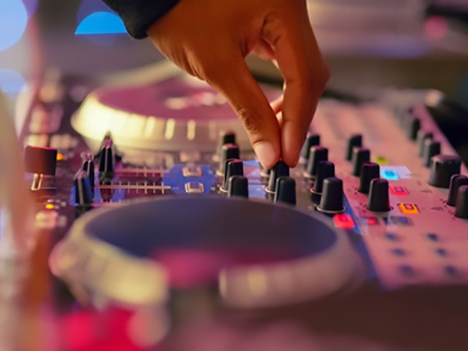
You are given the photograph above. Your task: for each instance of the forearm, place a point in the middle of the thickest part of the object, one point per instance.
(139, 15)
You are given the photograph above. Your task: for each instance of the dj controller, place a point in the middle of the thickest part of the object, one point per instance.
(146, 193)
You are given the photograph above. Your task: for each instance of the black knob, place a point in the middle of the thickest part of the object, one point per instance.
(312, 140)
(107, 160)
(421, 140)
(238, 186)
(354, 141)
(325, 169)
(317, 154)
(281, 169)
(431, 149)
(456, 181)
(228, 152)
(378, 196)
(285, 191)
(225, 137)
(461, 208)
(360, 156)
(233, 167)
(83, 190)
(332, 196)
(443, 167)
(369, 171)
(412, 127)
(40, 160)
(88, 167)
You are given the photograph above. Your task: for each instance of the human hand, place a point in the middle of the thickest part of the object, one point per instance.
(209, 39)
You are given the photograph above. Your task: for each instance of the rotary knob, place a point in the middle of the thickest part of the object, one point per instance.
(431, 149)
(228, 152)
(443, 167)
(369, 171)
(325, 170)
(461, 208)
(281, 169)
(312, 140)
(378, 196)
(413, 125)
(40, 160)
(83, 190)
(238, 186)
(332, 201)
(421, 140)
(317, 155)
(88, 167)
(106, 160)
(360, 156)
(234, 167)
(456, 181)
(354, 141)
(285, 191)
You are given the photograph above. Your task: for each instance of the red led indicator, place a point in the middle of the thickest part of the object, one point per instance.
(372, 221)
(399, 190)
(343, 221)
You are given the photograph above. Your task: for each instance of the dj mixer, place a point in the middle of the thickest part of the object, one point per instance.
(147, 191)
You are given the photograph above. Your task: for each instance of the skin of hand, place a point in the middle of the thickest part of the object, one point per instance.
(209, 39)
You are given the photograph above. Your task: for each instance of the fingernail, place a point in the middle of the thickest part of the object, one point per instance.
(266, 154)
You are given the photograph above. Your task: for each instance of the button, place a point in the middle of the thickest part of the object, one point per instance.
(399, 190)
(441, 252)
(398, 252)
(381, 160)
(406, 270)
(191, 172)
(317, 154)
(370, 221)
(354, 141)
(443, 167)
(456, 181)
(360, 156)
(392, 237)
(400, 220)
(389, 174)
(408, 208)
(343, 221)
(451, 270)
(285, 191)
(40, 160)
(194, 188)
(432, 237)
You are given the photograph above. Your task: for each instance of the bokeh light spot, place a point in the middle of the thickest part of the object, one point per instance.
(101, 23)
(13, 22)
(11, 81)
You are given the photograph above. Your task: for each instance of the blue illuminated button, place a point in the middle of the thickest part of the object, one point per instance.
(389, 174)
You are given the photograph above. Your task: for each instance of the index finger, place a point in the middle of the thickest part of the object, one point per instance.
(305, 74)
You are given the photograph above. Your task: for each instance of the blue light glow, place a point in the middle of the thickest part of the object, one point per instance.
(389, 174)
(11, 81)
(101, 23)
(13, 22)
(88, 7)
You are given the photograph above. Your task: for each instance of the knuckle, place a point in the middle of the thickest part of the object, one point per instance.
(251, 119)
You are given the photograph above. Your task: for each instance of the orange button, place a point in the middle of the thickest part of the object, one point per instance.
(399, 190)
(343, 221)
(408, 208)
